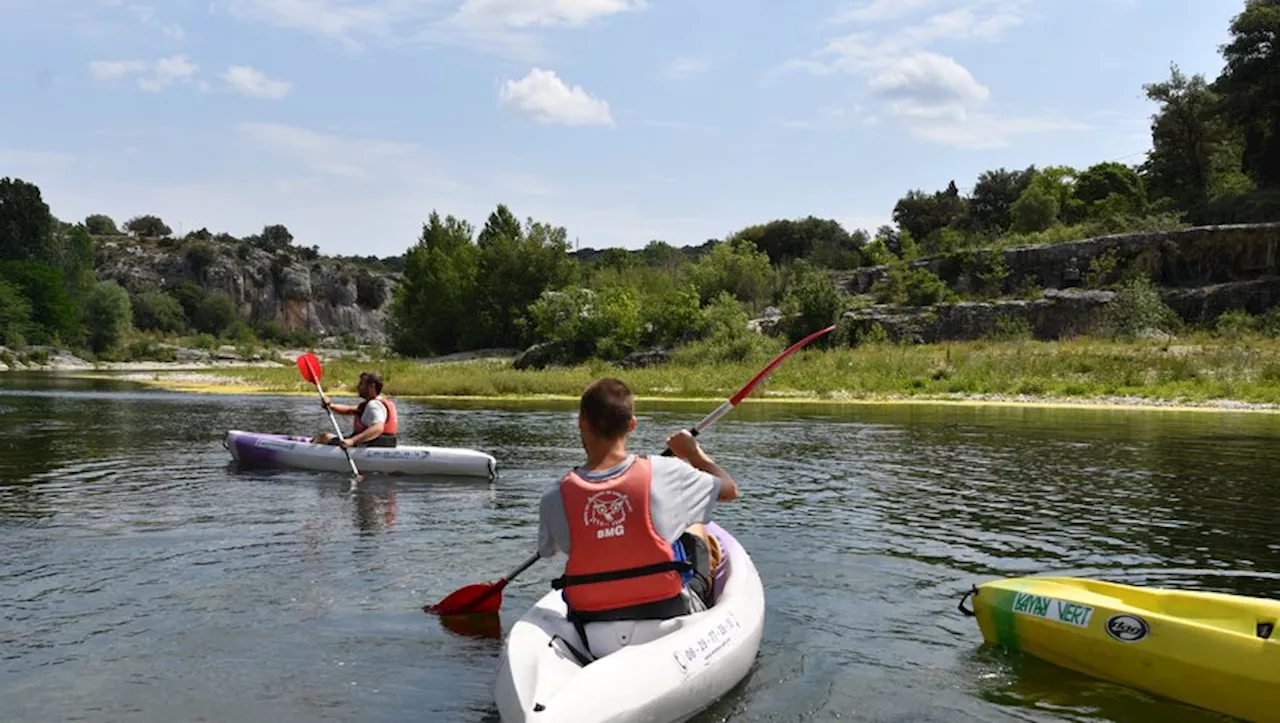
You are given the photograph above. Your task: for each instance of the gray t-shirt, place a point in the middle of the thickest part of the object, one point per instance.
(679, 495)
(375, 412)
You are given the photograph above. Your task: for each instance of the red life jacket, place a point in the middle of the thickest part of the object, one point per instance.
(388, 427)
(616, 558)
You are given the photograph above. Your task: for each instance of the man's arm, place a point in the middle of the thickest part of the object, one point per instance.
(338, 408)
(369, 433)
(552, 524)
(684, 446)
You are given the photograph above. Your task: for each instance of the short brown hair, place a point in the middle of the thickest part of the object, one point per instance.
(608, 406)
(373, 378)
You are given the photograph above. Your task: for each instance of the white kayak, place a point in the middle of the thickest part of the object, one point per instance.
(669, 671)
(282, 450)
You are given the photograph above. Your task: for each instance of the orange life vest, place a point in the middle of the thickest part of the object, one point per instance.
(616, 558)
(388, 427)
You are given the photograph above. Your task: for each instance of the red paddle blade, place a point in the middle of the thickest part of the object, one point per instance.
(309, 365)
(485, 597)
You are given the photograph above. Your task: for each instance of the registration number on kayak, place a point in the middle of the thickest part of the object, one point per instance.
(702, 649)
(1052, 609)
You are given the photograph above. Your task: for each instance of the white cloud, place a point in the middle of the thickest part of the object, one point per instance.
(926, 85)
(152, 76)
(980, 131)
(349, 21)
(147, 15)
(111, 69)
(937, 98)
(252, 82)
(361, 159)
(543, 95)
(874, 10)
(539, 13)
(681, 68)
(167, 71)
(510, 28)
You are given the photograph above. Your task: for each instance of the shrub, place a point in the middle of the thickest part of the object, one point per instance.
(108, 314)
(157, 311)
(1139, 308)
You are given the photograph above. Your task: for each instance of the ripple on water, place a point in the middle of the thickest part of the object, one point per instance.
(147, 579)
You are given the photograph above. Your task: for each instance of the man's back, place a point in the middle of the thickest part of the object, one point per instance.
(679, 496)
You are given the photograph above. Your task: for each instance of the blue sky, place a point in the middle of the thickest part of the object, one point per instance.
(622, 120)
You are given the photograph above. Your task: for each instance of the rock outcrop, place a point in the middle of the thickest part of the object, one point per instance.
(1202, 272)
(324, 296)
(1187, 258)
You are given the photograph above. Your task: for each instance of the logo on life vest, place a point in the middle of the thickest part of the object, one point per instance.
(606, 511)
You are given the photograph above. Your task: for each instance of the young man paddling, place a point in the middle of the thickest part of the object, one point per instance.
(376, 422)
(632, 526)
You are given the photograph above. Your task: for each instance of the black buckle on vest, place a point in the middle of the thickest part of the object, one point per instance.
(564, 581)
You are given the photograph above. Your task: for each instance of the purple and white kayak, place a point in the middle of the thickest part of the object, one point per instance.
(282, 450)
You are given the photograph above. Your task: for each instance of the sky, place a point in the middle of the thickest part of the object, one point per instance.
(350, 121)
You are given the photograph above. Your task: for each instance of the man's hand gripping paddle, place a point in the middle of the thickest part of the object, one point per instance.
(486, 597)
(309, 365)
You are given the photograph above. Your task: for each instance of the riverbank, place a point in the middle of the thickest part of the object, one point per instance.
(1188, 373)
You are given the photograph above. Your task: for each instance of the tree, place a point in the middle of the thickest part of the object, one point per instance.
(1111, 186)
(924, 215)
(100, 224)
(55, 318)
(433, 308)
(1193, 152)
(147, 226)
(787, 239)
(660, 254)
(515, 266)
(735, 266)
(26, 225)
(993, 196)
(15, 315)
(1035, 210)
(1249, 87)
(276, 237)
(108, 314)
(812, 302)
(155, 310)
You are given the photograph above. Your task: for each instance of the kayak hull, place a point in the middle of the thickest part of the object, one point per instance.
(670, 671)
(288, 451)
(1203, 649)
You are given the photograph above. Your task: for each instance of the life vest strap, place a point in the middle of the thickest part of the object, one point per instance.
(564, 581)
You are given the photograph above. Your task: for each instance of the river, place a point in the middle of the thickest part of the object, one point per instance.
(147, 579)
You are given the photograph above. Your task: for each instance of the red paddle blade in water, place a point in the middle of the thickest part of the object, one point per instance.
(486, 625)
(309, 365)
(483, 597)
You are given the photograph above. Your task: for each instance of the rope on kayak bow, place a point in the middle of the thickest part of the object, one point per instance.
(968, 613)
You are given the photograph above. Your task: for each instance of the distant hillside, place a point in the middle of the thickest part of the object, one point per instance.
(268, 282)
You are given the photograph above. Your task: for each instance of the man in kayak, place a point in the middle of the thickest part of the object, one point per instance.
(632, 526)
(376, 422)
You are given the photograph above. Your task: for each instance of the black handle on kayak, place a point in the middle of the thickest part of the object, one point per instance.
(968, 613)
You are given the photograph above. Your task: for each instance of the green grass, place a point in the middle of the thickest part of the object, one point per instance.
(1194, 368)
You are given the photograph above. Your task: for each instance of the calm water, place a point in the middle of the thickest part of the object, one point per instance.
(145, 579)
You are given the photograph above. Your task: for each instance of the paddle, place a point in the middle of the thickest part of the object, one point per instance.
(311, 370)
(487, 597)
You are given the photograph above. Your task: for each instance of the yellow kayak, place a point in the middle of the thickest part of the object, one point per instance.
(1209, 650)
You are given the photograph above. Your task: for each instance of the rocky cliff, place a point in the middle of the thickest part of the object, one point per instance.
(293, 287)
(1202, 273)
